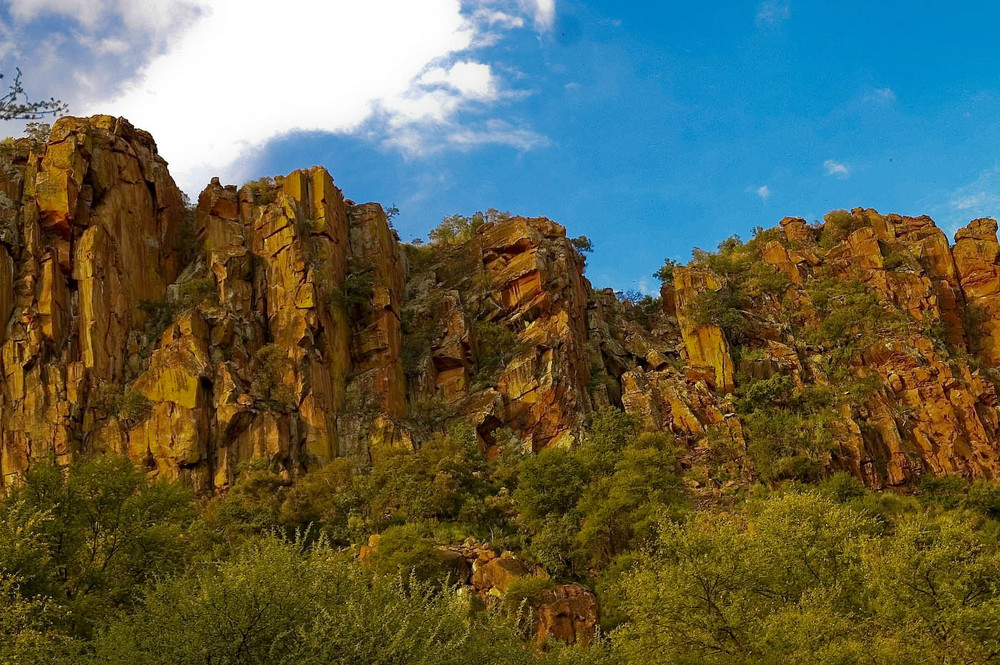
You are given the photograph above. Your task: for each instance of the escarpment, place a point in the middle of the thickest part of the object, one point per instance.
(281, 323)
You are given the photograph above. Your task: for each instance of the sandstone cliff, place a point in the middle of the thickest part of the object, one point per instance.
(280, 322)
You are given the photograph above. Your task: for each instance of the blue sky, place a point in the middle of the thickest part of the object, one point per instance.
(651, 127)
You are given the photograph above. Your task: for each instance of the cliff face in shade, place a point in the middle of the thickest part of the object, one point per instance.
(282, 322)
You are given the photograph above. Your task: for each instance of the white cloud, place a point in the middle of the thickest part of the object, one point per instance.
(648, 289)
(215, 80)
(415, 139)
(772, 12)
(246, 72)
(498, 18)
(837, 169)
(764, 192)
(885, 94)
(151, 16)
(980, 197)
(544, 12)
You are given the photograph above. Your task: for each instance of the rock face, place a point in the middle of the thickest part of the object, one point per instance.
(568, 613)
(244, 349)
(280, 322)
(707, 348)
(89, 222)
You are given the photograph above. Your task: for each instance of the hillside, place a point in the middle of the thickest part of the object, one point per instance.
(280, 321)
(261, 429)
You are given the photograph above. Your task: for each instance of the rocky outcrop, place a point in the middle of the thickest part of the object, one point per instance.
(89, 225)
(706, 345)
(568, 613)
(281, 323)
(247, 353)
(976, 255)
(537, 278)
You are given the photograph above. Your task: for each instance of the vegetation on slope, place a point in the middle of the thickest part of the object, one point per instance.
(102, 565)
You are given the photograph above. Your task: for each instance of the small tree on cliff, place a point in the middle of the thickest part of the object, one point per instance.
(14, 104)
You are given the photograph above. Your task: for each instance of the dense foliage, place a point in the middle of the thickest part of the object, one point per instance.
(99, 564)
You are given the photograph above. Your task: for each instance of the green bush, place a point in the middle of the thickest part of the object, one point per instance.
(843, 487)
(496, 345)
(666, 272)
(269, 387)
(262, 191)
(851, 316)
(277, 603)
(456, 229)
(86, 540)
(723, 308)
(186, 243)
(525, 593)
(787, 445)
(355, 295)
(798, 577)
(194, 292)
(128, 406)
(839, 224)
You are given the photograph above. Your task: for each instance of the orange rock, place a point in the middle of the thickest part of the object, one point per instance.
(706, 344)
(568, 613)
(976, 255)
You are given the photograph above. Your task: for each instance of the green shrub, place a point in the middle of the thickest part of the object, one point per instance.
(355, 295)
(262, 191)
(107, 530)
(186, 243)
(763, 394)
(128, 406)
(279, 603)
(550, 483)
(786, 445)
(839, 224)
(409, 551)
(496, 346)
(269, 388)
(456, 229)
(946, 491)
(974, 316)
(893, 258)
(622, 510)
(525, 593)
(852, 317)
(583, 246)
(984, 496)
(765, 278)
(723, 308)
(194, 292)
(666, 272)
(159, 316)
(843, 487)
(38, 133)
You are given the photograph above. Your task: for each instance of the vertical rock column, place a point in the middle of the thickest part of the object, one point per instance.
(96, 210)
(976, 254)
(707, 348)
(302, 239)
(377, 390)
(537, 277)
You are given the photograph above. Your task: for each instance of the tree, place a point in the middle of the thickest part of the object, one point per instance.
(276, 602)
(582, 244)
(14, 105)
(89, 538)
(666, 272)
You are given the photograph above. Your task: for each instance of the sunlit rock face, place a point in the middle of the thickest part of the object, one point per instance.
(280, 323)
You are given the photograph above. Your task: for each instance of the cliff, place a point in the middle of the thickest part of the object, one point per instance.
(282, 322)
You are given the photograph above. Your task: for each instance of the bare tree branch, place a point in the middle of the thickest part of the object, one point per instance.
(14, 104)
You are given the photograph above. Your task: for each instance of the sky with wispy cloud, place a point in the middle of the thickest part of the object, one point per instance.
(651, 127)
